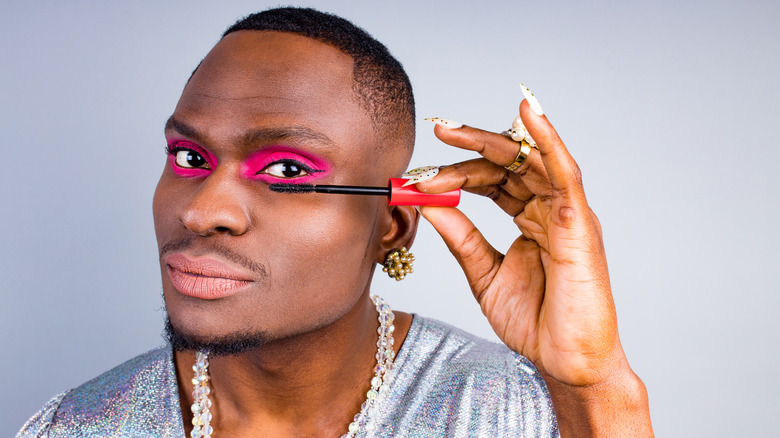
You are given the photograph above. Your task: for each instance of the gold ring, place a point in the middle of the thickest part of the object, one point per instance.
(522, 154)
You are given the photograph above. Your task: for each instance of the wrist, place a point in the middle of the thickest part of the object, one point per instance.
(616, 406)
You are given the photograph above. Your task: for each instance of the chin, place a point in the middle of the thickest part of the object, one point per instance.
(198, 322)
(225, 345)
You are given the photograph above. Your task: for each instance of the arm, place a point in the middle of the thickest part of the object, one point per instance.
(614, 408)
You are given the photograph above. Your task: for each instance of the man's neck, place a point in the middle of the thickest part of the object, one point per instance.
(307, 385)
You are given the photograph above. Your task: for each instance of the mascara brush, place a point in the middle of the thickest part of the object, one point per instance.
(395, 192)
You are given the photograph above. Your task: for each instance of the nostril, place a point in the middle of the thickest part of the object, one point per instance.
(215, 211)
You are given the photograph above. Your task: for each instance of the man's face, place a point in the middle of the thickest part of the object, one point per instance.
(240, 260)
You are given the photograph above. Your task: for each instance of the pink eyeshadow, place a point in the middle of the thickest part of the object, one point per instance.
(262, 158)
(191, 172)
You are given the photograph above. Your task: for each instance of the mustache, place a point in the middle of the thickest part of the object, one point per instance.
(227, 253)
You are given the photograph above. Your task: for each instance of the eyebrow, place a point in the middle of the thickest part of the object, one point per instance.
(257, 136)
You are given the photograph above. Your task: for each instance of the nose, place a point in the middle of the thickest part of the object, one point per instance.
(219, 206)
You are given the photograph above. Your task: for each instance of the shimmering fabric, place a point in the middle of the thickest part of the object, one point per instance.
(136, 399)
(446, 383)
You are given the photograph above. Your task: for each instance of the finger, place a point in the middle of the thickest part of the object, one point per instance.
(510, 204)
(495, 147)
(526, 274)
(533, 219)
(562, 170)
(500, 150)
(533, 174)
(475, 173)
(478, 259)
(513, 302)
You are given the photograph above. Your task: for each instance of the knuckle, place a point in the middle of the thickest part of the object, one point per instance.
(468, 252)
(514, 208)
(562, 261)
(493, 192)
(576, 173)
(524, 169)
(469, 245)
(565, 217)
(567, 191)
(482, 279)
(504, 179)
(479, 144)
(457, 167)
(546, 152)
(482, 146)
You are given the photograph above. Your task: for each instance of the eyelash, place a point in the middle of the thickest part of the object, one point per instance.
(189, 161)
(173, 150)
(290, 161)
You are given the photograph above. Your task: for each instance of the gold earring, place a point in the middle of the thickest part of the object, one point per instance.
(398, 263)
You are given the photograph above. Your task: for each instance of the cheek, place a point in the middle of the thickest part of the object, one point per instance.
(164, 205)
(324, 261)
(157, 205)
(331, 238)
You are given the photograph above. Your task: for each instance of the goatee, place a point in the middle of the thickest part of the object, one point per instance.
(225, 346)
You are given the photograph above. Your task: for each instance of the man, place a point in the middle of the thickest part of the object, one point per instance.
(275, 286)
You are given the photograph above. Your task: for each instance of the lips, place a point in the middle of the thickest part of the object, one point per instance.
(204, 278)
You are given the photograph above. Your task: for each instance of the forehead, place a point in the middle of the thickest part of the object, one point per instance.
(262, 79)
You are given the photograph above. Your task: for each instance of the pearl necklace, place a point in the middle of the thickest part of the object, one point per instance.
(201, 408)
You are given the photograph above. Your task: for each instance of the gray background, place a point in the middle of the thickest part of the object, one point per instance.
(669, 107)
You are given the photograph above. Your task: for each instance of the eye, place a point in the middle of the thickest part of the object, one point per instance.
(189, 159)
(287, 169)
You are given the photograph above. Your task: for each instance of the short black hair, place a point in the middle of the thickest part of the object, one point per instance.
(378, 78)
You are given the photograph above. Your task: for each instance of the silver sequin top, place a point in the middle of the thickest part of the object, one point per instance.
(446, 383)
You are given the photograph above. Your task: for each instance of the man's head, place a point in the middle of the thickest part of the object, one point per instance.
(379, 80)
(288, 95)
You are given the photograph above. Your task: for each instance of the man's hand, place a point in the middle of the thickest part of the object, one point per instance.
(548, 298)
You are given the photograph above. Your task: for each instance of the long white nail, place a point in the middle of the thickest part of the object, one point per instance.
(444, 123)
(420, 174)
(532, 100)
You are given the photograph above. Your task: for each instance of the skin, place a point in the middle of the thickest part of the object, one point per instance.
(311, 375)
(548, 298)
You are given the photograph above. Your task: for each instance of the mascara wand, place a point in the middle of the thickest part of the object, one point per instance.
(395, 192)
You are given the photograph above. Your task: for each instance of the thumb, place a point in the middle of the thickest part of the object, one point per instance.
(478, 259)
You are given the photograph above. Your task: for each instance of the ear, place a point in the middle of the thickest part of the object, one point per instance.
(403, 228)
